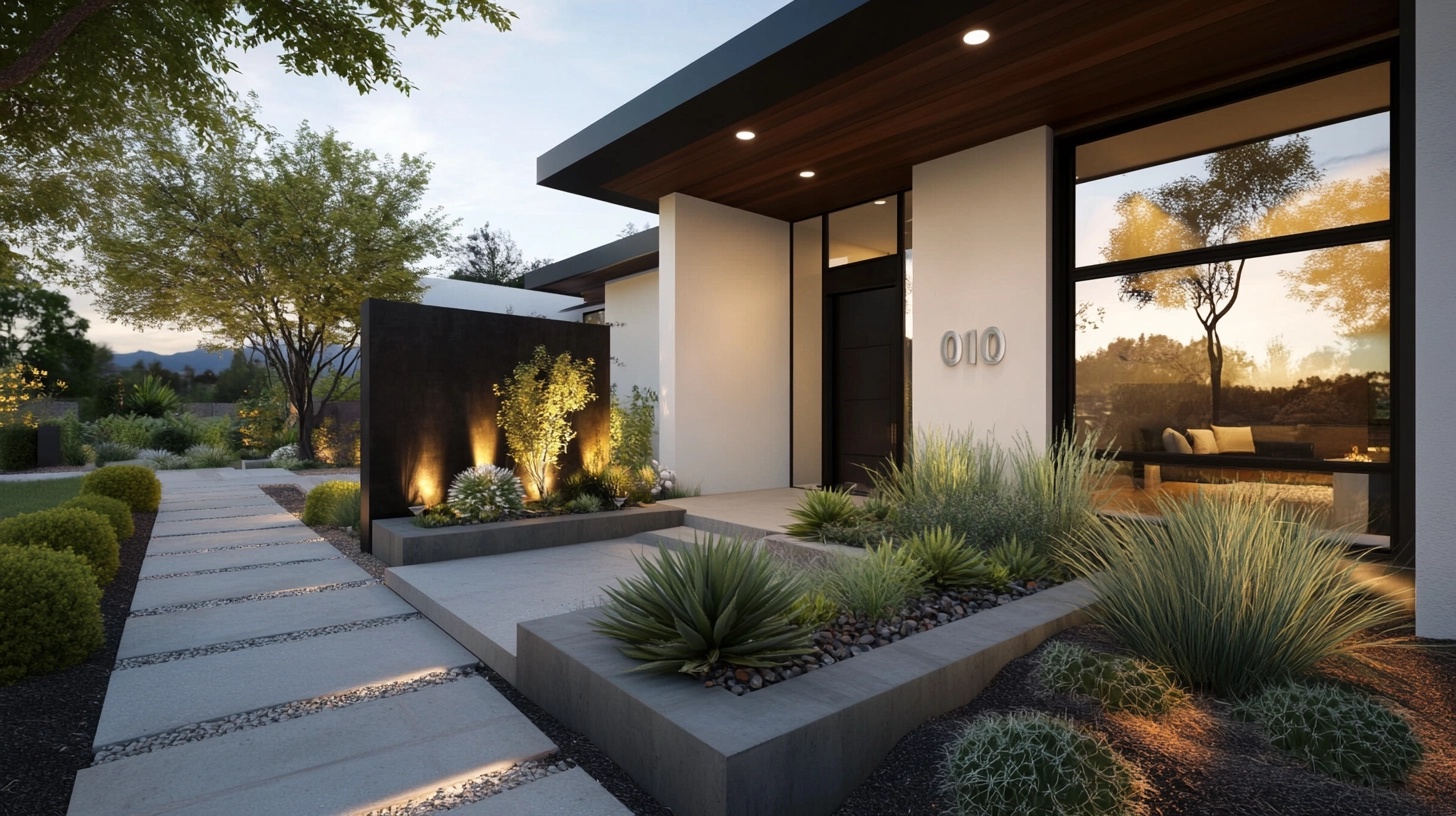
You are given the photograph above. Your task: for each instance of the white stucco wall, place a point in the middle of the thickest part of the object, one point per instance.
(484, 297)
(809, 351)
(723, 332)
(631, 305)
(983, 258)
(1435, 303)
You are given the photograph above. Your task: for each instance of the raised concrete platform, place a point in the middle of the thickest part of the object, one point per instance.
(479, 601)
(750, 514)
(219, 585)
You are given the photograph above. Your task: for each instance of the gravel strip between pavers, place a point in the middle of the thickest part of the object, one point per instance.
(206, 550)
(259, 596)
(478, 788)
(238, 568)
(194, 732)
(220, 532)
(239, 645)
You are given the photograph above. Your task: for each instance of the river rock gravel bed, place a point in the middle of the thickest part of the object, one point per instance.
(478, 788)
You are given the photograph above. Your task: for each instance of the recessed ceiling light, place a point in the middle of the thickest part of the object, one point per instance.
(976, 36)
(806, 174)
(745, 135)
(880, 201)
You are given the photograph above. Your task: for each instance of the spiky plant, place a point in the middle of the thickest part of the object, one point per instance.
(348, 510)
(818, 508)
(209, 456)
(1021, 561)
(1342, 733)
(1029, 762)
(585, 503)
(716, 600)
(814, 609)
(1226, 592)
(949, 563)
(877, 584)
(485, 493)
(1120, 683)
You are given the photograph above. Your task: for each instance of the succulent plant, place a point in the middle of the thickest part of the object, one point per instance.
(821, 507)
(950, 563)
(485, 493)
(1120, 683)
(1020, 559)
(1342, 733)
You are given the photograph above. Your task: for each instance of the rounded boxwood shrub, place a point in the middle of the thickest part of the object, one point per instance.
(1342, 733)
(136, 485)
(115, 511)
(50, 611)
(1120, 683)
(318, 507)
(69, 529)
(172, 439)
(1012, 764)
(18, 449)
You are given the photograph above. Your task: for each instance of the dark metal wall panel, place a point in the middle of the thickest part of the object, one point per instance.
(428, 408)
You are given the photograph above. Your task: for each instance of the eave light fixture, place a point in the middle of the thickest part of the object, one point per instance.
(745, 135)
(879, 201)
(806, 174)
(976, 36)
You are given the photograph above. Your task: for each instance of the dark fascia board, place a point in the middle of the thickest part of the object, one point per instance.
(796, 48)
(621, 252)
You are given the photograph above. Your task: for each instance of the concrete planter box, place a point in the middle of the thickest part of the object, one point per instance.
(801, 746)
(398, 542)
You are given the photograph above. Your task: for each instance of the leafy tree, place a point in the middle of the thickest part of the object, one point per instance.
(491, 256)
(536, 404)
(632, 229)
(264, 243)
(241, 377)
(1242, 186)
(38, 328)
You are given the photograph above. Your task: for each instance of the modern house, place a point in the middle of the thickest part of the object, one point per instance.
(1215, 233)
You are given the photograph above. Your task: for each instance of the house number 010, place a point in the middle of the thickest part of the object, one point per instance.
(955, 347)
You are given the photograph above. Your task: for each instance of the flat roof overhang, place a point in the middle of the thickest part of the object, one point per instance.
(585, 275)
(860, 91)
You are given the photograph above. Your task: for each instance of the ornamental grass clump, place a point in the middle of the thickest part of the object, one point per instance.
(1020, 560)
(819, 508)
(209, 456)
(1226, 592)
(50, 611)
(876, 585)
(1028, 762)
(485, 493)
(715, 601)
(950, 564)
(136, 485)
(69, 529)
(1334, 731)
(322, 501)
(348, 510)
(1119, 683)
(104, 453)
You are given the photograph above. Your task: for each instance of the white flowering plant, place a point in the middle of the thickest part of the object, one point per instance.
(665, 479)
(485, 493)
(289, 451)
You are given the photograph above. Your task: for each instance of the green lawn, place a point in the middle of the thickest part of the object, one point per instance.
(26, 497)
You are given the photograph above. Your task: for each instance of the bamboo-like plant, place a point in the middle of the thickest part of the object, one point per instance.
(717, 600)
(536, 404)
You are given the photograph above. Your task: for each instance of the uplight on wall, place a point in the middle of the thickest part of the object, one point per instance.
(976, 36)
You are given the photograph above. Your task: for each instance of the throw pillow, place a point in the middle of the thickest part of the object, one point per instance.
(1203, 440)
(1174, 442)
(1234, 439)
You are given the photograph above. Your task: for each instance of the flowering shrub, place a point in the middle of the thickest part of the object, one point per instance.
(485, 493)
(19, 385)
(665, 481)
(289, 451)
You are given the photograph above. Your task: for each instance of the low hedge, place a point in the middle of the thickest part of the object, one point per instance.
(50, 611)
(18, 449)
(319, 506)
(69, 529)
(136, 485)
(115, 511)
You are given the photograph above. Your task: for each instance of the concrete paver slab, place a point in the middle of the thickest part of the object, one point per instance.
(152, 699)
(168, 515)
(191, 628)
(341, 761)
(573, 792)
(225, 525)
(232, 500)
(237, 557)
(218, 585)
(203, 541)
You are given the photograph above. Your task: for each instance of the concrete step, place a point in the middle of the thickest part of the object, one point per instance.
(166, 696)
(191, 628)
(572, 792)
(225, 525)
(203, 541)
(219, 585)
(341, 761)
(237, 557)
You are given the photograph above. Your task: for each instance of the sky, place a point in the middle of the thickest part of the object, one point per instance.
(486, 104)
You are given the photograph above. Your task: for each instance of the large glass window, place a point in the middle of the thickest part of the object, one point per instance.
(1234, 299)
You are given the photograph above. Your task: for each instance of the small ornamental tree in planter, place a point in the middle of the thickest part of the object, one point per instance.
(536, 404)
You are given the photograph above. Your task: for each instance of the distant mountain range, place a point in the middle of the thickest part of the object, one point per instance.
(197, 358)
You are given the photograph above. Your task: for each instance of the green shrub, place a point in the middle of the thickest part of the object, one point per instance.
(134, 484)
(18, 449)
(1226, 592)
(1120, 683)
(104, 453)
(73, 439)
(820, 507)
(586, 483)
(115, 511)
(814, 609)
(50, 611)
(485, 493)
(877, 584)
(631, 427)
(71, 529)
(1021, 561)
(718, 600)
(950, 564)
(152, 398)
(172, 438)
(1014, 764)
(1341, 733)
(441, 515)
(209, 456)
(318, 506)
(348, 510)
(214, 432)
(584, 503)
(877, 509)
(133, 431)
(536, 403)
(857, 533)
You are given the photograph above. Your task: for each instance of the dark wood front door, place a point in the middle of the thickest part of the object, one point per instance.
(866, 389)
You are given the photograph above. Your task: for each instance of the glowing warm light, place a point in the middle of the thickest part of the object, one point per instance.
(976, 36)
(745, 135)
(880, 201)
(448, 783)
(482, 443)
(806, 174)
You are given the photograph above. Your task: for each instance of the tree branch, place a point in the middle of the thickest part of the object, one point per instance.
(49, 42)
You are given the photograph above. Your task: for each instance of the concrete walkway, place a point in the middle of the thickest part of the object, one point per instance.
(262, 672)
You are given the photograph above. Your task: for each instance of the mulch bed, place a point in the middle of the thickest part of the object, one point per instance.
(47, 721)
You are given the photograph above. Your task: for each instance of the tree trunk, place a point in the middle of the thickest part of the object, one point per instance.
(48, 43)
(1215, 376)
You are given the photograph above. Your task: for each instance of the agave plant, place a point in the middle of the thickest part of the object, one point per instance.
(152, 398)
(949, 563)
(718, 600)
(821, 507)
(485, 493)
(1020, 560)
